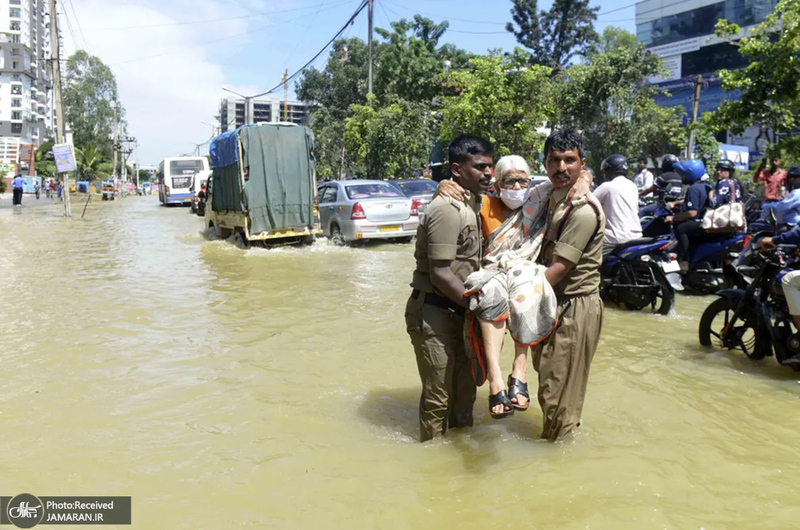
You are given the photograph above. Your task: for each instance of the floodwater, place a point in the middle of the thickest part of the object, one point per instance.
(223, 388)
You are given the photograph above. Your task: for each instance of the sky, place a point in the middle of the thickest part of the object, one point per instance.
(171, 58)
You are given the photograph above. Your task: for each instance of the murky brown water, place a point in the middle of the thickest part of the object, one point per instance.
(224, 388)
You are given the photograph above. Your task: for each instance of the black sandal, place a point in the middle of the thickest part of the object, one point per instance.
(518, 388)
(501, 398)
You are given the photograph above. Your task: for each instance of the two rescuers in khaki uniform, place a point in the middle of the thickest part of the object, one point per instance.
(449, 249)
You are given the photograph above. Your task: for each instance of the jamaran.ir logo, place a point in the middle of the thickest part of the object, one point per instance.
(25, 510)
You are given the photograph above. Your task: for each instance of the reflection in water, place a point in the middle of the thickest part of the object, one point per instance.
(222, 388)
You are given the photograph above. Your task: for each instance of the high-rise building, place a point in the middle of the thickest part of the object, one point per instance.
(682, 33)
(26, 118)
(232, 112)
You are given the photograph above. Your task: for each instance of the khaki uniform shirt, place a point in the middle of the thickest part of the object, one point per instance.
(580, 242)
(450, 231)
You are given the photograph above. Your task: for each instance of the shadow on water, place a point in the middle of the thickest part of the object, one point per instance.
(767, 368)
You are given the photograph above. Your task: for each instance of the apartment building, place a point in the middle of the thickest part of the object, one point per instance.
(26, 118)
(232, 112)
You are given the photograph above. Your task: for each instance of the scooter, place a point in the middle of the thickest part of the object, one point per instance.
(754, 317)
(634, 275)
(706, 260)
(652, 219)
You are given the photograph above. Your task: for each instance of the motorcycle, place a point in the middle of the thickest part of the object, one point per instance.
(754, 317)
(706, 259)
(651, 217)
(634, 275)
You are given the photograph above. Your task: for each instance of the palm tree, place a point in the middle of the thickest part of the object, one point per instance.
(92, 163)
(44, 163)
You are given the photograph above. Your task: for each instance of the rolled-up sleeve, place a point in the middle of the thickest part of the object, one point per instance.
(444, 226)
(579, 228)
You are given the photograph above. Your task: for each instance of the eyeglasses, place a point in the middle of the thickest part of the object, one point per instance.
(509, 183)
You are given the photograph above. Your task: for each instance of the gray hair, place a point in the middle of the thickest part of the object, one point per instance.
(508, 163)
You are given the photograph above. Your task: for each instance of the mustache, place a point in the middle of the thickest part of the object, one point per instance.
(561, 174)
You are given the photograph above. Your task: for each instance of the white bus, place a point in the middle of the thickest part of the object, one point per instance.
(175, 178)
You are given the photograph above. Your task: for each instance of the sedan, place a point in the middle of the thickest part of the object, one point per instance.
(351, 210)
(421, 190)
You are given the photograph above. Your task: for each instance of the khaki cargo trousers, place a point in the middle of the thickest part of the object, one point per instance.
(563, 362)
(448, 390)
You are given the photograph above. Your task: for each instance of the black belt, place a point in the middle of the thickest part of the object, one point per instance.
(439, 301)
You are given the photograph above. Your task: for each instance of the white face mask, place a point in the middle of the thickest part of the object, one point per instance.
(514, 198)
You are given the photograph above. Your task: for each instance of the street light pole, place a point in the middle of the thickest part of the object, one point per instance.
(369, 76)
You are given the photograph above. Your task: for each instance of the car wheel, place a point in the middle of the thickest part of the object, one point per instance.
(406, 239)
(337, 237)
(240, 241)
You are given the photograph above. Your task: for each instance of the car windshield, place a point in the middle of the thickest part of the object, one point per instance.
(417, 187)
(371, 191)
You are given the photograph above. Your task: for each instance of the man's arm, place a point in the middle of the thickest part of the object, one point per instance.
(684, 216)
(558, 270)
(578, 230)
(581, 187)
(447, 282)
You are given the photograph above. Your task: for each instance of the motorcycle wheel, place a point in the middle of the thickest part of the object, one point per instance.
(664, 296)
(747, 335)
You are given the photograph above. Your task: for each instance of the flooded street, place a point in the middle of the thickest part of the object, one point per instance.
(223, 388)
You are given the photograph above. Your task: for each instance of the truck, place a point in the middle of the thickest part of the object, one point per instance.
(262, 186)
(108, 190)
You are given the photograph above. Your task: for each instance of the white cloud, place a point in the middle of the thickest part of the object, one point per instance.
(167, 82)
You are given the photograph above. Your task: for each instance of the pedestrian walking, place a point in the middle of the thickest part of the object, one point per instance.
(37, 189)
(58, 191)
(448, 250)
(52, 188)
(16, 186)
(573, 253)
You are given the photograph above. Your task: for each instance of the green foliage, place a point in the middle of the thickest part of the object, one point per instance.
(145, 176)
(3, 185)
(390, 140)
(502, 100)
(614, 38)
(44, 162)
(92, 163)
(770, 83)
(90, 91)
(706, 147)
(557, 35)
(609, 102)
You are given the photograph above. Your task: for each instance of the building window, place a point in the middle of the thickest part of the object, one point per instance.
(14, 12)
(16, 90)
(14, 51)
(16, 127)
(16, 103)
(14, 26)
(14, 39)
(16, 115)
(14, 65)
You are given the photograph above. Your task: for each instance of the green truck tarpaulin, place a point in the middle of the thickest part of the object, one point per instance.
(280, 187)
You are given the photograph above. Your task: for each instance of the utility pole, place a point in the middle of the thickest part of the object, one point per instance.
(698, 84)
(56, 69)
(369, 80)
(114, 144)
(286, 95)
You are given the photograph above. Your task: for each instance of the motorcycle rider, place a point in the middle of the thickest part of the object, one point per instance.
(790, 281)
(688, 224)
(643, 178)
(667, 185)
(787, 211)
(619, 197)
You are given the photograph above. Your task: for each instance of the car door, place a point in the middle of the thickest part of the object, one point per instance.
(327, 207)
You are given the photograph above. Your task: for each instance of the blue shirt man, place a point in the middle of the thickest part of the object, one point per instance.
(18, 182)
(786, 211)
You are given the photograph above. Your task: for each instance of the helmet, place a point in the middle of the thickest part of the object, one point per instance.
(615, 165)
(692, 170)
(668, 162)
(727, 165)
(794, 172)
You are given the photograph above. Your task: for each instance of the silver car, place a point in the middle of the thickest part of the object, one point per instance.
(350, 210)
(421, 190)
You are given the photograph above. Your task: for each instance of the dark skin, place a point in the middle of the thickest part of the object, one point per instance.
(474, 174)
(563, 168)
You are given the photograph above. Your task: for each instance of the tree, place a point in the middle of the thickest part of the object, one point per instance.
(91, 163)
(409, 66)
(614, 38)
(390, 140)
(90, 91)
(608, 100)
(770, 83)
(501, 99)
(44, 162)
(557, 35)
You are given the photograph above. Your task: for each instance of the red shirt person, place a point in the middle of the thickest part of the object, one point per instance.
(773, 178)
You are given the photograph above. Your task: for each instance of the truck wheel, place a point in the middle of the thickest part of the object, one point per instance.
(240, 241)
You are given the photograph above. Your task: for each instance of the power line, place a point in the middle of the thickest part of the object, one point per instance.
(336, 36)
(305, 32)
(78, 22)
